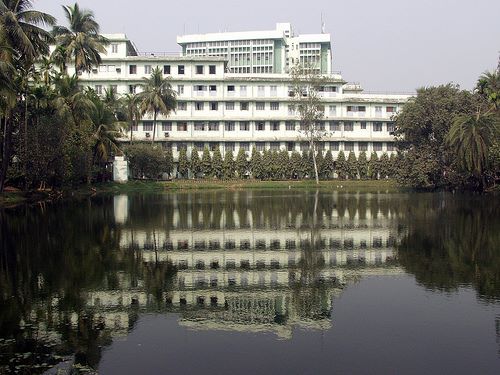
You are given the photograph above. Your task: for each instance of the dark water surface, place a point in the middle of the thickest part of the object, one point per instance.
(253, 282)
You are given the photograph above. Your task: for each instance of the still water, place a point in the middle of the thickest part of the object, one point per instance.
(253, 282)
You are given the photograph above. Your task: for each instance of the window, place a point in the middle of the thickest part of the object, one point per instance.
(211, 69)
(180, 89)
(349, 146)
(390, 127)
(290, 146)
(274, 146)
(390, 109)
(181, 146)
(378, 108)
(229, 106)
(213, 146)
(334, 146)
(289, 125)
(260, 146)
(260, 126)
(180, 69)
(212, 88)
(181, 106)
(114, 48)
(166, 69)
(132, 69)
(199, 145)
(304, 146)
(199, 126)
(320, 125)
(147, 126)
(260, 106)
(98, 89)
(213, 126)
(214, 106)
(244, 126)
(275, 106)
(363, 146)
(243, 90)
(166, 126)
(147, 69)
(274, 90)
(348, 126)
(199, 69)
(363, 125)
(275, 126)
(103, 68)
(332, 110)
(334, 126)
(260, 90)
(291, 109)
(200, 88)
(245, 146)
(135, 127)
(244, 106)
(114, 88)
(377, 146)
(132, 89)
(230, 88)
(182, 127)
(377, 126)
(229, 146)
(198, 106)
(229, 126)
(390, 146)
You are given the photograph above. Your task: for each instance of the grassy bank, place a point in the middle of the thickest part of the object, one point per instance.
(16, 197)
(150, 186)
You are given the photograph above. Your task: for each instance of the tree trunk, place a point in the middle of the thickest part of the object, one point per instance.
(314, 161)
(5, 154)
(154, 128)
(25, 156)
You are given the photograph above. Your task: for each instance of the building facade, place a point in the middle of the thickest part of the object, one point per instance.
(233, 91)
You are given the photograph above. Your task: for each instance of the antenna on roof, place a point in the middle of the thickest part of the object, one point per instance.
(322, 24)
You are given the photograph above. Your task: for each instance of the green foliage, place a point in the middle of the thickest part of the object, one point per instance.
(328, 166)
(363, 165)
(341, 167)
(283, 162)
(421, 130)
(256, 165)
(352, 166)
(145, 161)
(169, 162)
(320, 162)
(241, 163)
(295, 165)
(229, 165)
(217, 167)
(195, 162)
(373, 166)
(183, 166)
(385, 166)
(206, 163)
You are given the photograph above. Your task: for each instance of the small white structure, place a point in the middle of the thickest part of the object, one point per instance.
(120, 169)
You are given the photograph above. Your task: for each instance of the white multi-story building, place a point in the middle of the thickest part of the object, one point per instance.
(233, 91)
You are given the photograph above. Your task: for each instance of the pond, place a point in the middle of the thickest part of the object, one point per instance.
(252, 282)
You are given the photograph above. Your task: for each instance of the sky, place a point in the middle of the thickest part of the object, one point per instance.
(385, 45)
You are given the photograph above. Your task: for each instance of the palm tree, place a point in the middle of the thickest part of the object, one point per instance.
(81, 39)
(21, 31)
(131, 104)
(471, 137)
(157, 97)
(488, 86)
(71, 103)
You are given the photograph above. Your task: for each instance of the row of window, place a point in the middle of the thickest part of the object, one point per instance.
(167, 69)
(288, 146)
(346, 126)
(275, 244)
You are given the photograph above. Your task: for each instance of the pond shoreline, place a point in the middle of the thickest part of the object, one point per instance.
(13, 198)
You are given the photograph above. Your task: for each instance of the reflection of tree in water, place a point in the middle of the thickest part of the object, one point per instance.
(452, 241)
(50, 258)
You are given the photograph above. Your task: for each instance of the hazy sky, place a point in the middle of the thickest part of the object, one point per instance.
(386, 45)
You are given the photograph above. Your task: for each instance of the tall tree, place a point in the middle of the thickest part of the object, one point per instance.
(362, 165)
(195, 162)
(241, 163)
(352, 166)
(229, 165)
(308, 103)
(373, 166)
(328, 164)
(81, 40)
(183, 165)
(341, 167)
(470, 138)
(157, 97)
(133, 114)
(206, 163)
(217, 163)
